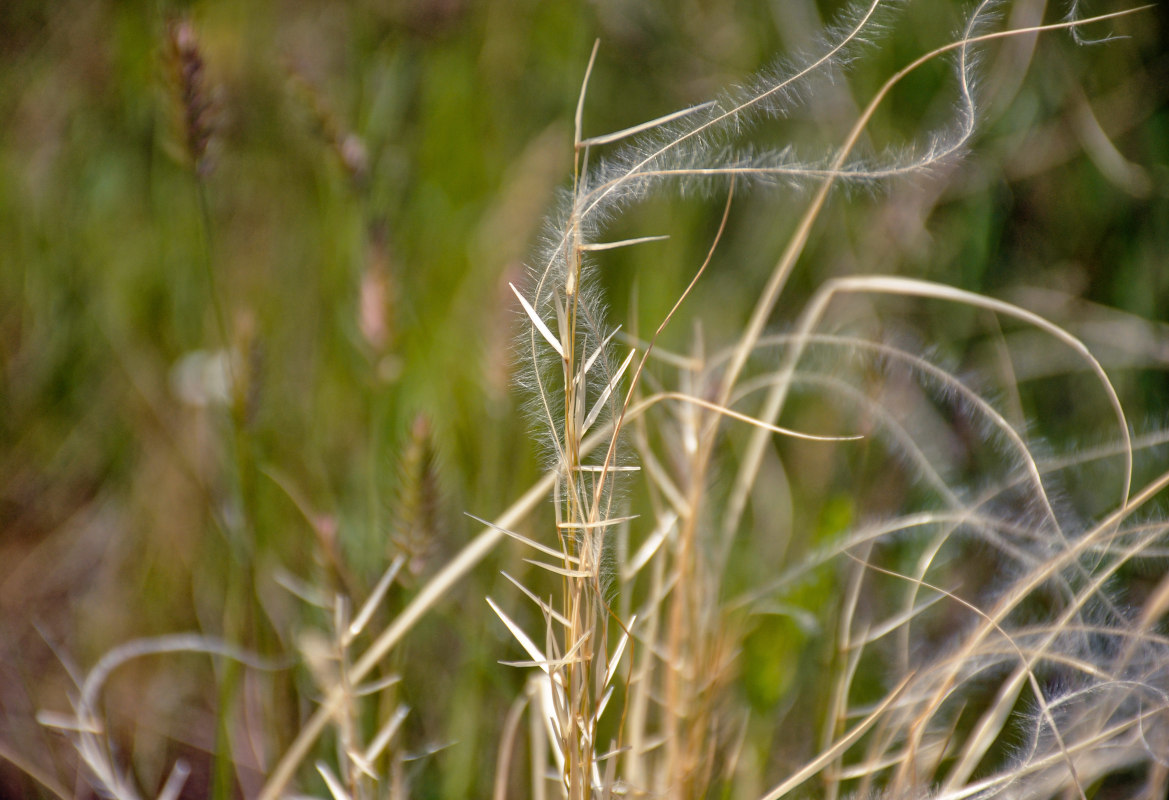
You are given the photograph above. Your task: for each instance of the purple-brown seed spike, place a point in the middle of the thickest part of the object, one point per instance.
(348, 146)
(188, 83)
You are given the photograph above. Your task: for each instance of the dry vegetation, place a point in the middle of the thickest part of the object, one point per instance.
(823, 516)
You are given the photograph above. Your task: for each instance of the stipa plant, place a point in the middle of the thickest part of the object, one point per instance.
(645, 636)
(979, 644)
(86, 726)
(331, 663)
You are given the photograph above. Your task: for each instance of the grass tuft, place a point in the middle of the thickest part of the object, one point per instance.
(829, 507)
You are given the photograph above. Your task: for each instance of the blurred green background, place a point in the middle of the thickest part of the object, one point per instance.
(376, 174)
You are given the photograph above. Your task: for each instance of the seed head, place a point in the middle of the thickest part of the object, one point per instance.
(196, 109)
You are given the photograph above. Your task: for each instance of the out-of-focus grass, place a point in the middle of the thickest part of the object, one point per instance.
(378, 173)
